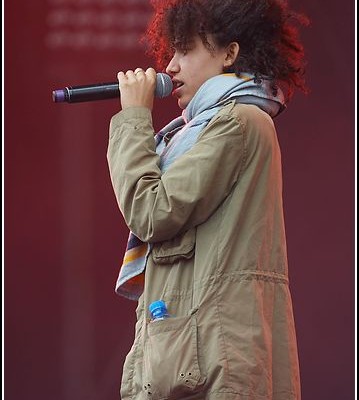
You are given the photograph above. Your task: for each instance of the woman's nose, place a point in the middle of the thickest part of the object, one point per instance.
(173, 66)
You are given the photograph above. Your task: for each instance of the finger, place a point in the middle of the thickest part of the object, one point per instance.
(130, 75)
(151, 72)
(137, 75)
(140, 74)
(120, 75)
(151, 75)
(139, 71)
(122, 79)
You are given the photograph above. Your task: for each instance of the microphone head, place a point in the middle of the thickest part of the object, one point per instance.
(164, 85)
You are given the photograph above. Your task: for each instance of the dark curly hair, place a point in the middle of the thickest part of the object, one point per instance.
(266, 30)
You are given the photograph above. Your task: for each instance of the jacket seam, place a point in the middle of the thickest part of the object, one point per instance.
(245, 149)
(222, 335)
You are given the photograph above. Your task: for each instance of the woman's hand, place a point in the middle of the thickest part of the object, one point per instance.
(137, 88)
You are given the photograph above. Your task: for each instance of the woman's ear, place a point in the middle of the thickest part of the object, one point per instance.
(232, 52)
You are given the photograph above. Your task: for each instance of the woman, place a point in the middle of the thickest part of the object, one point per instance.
(203, 201)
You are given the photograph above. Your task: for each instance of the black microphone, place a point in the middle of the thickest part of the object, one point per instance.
(103, 91)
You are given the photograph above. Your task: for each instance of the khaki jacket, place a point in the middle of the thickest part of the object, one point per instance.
(215, 220)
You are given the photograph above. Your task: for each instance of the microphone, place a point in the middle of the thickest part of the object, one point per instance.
(103, 91)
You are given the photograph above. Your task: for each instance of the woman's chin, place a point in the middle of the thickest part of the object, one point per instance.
(182, 103)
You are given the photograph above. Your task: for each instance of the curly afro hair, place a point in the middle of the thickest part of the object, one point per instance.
(267, 32)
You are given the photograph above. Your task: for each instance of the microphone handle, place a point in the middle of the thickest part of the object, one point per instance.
(110, 90)
(77, 94)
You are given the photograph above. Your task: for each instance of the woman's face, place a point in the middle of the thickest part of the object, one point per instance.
(190, 69)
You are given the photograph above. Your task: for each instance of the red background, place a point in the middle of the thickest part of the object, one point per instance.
(66, 332)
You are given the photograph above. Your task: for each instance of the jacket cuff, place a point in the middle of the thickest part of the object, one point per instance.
(132, 113)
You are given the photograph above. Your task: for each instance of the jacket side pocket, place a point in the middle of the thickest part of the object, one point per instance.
(171, 367)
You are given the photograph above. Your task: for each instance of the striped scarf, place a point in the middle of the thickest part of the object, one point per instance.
(179, 136)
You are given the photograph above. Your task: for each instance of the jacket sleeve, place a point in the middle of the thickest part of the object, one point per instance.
(156, 206)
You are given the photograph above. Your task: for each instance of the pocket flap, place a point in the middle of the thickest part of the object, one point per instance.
(180, 247)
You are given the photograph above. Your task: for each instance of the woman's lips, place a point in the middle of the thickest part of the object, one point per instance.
(177, 88)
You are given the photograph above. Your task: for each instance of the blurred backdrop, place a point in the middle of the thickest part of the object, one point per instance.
(66, 332)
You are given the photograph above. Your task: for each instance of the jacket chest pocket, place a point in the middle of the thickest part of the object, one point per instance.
(171, 366)
(180, 247)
